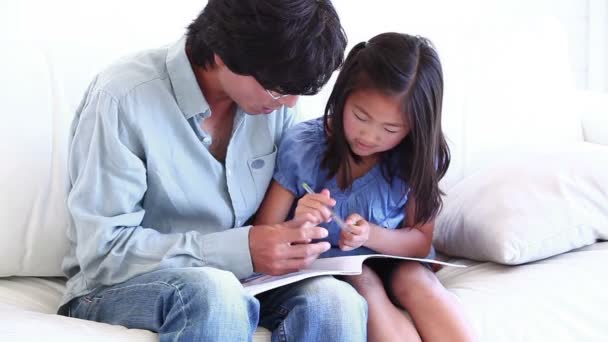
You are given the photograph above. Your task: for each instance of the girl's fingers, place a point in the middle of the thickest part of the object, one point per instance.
(352, 219)
(321, 198)
(308, 215)
(353, 240)
(345, 247)
(356, 230)
(321, 209)
(319, 203)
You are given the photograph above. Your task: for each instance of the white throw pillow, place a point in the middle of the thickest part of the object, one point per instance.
(528, 208)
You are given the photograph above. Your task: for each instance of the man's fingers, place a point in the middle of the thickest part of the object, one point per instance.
(286, 247)
(305, 251)
(307, 233)
(297, 257)
(301, 230)
(294, 265)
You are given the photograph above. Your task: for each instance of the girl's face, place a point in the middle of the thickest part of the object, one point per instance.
(373, 122)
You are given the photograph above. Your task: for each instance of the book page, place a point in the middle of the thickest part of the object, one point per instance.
(267, 282)
(350, 264)
(354, 263)
(346, 265)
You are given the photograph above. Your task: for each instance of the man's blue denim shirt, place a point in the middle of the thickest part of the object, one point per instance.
(145, 193)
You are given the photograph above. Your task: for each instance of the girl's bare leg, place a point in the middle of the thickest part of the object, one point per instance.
(386, 322)
(434, 310)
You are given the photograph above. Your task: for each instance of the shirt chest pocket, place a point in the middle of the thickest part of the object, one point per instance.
(261, 169)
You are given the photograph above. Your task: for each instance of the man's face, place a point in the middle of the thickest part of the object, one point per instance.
(249, 94)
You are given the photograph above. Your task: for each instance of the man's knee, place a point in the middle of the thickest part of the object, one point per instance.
(330, 297)
(209, 287)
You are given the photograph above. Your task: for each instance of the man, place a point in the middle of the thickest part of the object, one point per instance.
(170, 156)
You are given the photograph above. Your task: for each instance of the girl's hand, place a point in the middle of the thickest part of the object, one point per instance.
(357, 234)
(315, 206)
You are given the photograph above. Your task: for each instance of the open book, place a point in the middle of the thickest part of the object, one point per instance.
(344, 265)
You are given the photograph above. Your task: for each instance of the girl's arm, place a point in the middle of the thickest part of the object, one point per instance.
(278, 201)
(275, 206)
(413, 240)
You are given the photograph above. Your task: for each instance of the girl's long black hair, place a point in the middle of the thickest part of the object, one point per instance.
(406, 66)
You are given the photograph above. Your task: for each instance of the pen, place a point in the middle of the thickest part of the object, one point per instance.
(334, 216)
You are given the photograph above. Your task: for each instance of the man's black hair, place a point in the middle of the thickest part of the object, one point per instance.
(288, 46)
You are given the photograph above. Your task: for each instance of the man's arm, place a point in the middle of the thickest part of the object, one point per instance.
(108, 178)
(108, 182)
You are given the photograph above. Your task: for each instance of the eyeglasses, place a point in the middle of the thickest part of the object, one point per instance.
(276, 96)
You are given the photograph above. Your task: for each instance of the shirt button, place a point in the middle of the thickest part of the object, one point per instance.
(207, 140)
(257, 164)
(229, 172)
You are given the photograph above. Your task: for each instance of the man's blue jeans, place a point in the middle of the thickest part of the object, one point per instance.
(207, 304)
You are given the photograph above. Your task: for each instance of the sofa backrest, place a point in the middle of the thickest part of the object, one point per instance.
(50, 52)
(33, 138)
(487, 111)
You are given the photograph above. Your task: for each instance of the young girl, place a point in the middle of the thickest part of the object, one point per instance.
(376, 158)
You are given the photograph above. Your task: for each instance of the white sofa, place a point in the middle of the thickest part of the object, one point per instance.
(562, 298)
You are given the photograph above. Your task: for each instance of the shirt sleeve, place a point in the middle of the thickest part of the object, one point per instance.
(298, 158)
(108, 181)
(286, 166)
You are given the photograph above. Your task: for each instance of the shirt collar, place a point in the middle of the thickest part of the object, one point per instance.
(188, 94)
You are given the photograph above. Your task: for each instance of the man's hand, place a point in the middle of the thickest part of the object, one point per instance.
(357, 234)
(286, 247)
(316, 205)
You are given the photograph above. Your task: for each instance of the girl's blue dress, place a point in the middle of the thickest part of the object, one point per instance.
(371, 196)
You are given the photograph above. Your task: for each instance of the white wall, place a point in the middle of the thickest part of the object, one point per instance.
(82, 36)
(460, 28)
(597, 65)
(128, 25)
(508, 64)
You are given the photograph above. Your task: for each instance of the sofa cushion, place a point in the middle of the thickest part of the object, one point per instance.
(530, 207)
(24, 325)
(562, 298)
(531, 303)
(27, 302)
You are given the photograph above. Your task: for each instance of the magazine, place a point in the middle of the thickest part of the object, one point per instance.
(344, 265)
